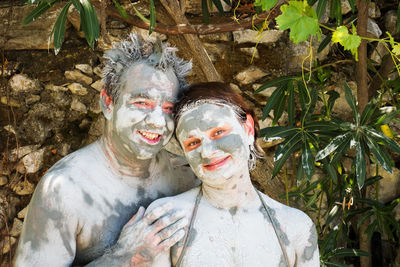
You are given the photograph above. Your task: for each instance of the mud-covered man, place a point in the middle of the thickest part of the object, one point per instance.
(83, 209)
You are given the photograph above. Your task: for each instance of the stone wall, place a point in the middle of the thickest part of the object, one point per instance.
(49, 104)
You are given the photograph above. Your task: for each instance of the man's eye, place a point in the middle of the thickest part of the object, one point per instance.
(193, 143)
(219, 132)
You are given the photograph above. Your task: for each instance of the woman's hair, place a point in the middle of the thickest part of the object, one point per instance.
(217, 93)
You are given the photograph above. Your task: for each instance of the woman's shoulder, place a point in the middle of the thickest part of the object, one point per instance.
(184, 200)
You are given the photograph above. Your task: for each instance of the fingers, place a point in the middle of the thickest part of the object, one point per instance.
(137, 217)
(169, 231)
(157, 213)
(175, 238)
(168, 220)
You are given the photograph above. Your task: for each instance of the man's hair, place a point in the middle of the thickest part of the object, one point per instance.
(133, 50)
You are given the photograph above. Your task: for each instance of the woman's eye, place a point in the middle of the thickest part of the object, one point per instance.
(194, 143)
(219, 132)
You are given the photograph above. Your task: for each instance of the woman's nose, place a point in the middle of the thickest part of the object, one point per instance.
(208, 149)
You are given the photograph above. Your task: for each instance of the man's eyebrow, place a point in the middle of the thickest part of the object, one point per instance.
(140, 95)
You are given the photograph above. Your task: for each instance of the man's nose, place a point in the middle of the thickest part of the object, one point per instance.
(155, 118)
(208, 149)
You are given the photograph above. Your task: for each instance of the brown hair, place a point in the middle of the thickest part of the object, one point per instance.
(220, 92)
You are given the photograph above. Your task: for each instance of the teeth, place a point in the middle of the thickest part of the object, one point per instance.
(151, 136)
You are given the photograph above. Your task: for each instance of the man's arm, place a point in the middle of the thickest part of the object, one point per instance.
(50, 227)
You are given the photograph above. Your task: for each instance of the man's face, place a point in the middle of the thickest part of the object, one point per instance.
(142, 116)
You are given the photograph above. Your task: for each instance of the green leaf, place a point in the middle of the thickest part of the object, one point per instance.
(380, 157)
(218, 4)
(122, 11)
(351, 100)
(347, 252)
(330, 170)
(152, 17)
(333, 95)
(336, 8)
(300, 18)
(324, 43)
(278, 131)
(278, 109)
(370, 202)
(332, 146)
(368, 111)
(398, 19)
(321, 7)
(341, 150)
(372, 180)
(312, 200)
(272, 101)
(350, 42)
(336, 264)
(205, 12)
(360, 162)
(89, 22)
(291, 103)
(374, 134)
(283, 151)
(307, 160)
(39, 10)
(78, 6)
(59, 28)
(278, 81)
(363, 218)
(352, 5)
(265, 4)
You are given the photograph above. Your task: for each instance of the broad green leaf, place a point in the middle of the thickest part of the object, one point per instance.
(333, 95)
(283, 151)
(278, 131)
(279, 108)
(303, 96)
(265, 4)
(37, 11)
(89, 22)
(374, 134)
(321, 7)
(396, 49)
(272, 101)
(352, 5)
(152, 17)
(312, 200)
(360, 163)
(365, 216)
(324, 42)
(78, 6)
(350, 42)
(307, 160)
(218, 4)
(372, 180)
(347, 252)
(368, 111)
(205, 12)
(300, 18)
(59, 28)
(380, 157)
(332, 146)
(291, 103)
(278, 81)
(122, 11)
(351, 100)
(330, 169)
(336, 11)
(321, 127)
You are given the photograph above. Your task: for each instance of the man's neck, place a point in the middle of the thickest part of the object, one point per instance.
(122, 162)
(237, 192)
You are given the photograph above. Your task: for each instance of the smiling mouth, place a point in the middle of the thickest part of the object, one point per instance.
(216, 164)
(152, 138)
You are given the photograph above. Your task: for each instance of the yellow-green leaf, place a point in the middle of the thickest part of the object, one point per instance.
(349, 41)
(396, 49)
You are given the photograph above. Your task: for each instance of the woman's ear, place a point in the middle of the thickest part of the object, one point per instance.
(249, 125)
(106, 104)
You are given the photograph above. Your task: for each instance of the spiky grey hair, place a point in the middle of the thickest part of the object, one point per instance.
(133, 50)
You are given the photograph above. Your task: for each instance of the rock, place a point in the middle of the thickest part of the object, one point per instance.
(390, 21)
(373, 28)
(266, 92)
(10, 102)
(373, 10)
(95, 106)
(63, 99)
(16, 228)
(389, 186)
(22, 83)
(8, 204)
(217, 37)
(32, 36)
(85, 68)
(78, 106)
(9, 128)
(22, 213)
(97, 127)
(215, 51)
(341, 108)
(63, 149)
(98, 71)
(3, 180)
(235, 88)
(9, 69)
(77, 89)
(23, 188)
(145, 34)
(32, 99)
(346, 8)
(251, 51)
(4, 168)
(397, 213)
(250, 75)
(33, 161)
(77, 76)
(6, 244)
(379, 52)
(98, 85)
(18, 153)
(250, 36)
(55, 88)
(84, 124)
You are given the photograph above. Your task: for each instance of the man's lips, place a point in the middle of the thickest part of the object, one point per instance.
(152, 138)
(216, 163)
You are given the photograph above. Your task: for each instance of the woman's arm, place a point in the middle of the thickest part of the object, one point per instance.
(307, 253)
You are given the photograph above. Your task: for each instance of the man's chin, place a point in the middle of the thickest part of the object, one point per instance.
(146, 153)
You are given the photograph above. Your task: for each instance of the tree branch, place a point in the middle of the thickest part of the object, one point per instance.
(200, 29)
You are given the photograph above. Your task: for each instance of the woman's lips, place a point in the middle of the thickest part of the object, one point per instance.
(216, 163)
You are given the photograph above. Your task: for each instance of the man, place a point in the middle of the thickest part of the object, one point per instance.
(82, 209)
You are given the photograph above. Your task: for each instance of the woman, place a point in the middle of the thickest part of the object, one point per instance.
(230, 222)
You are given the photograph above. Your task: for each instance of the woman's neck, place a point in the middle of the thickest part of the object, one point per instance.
(238, 192)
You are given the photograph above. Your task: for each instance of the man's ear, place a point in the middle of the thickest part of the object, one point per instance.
(106, 104)
(249, 126)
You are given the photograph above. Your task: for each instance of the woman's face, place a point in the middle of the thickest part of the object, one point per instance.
(215, 143)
